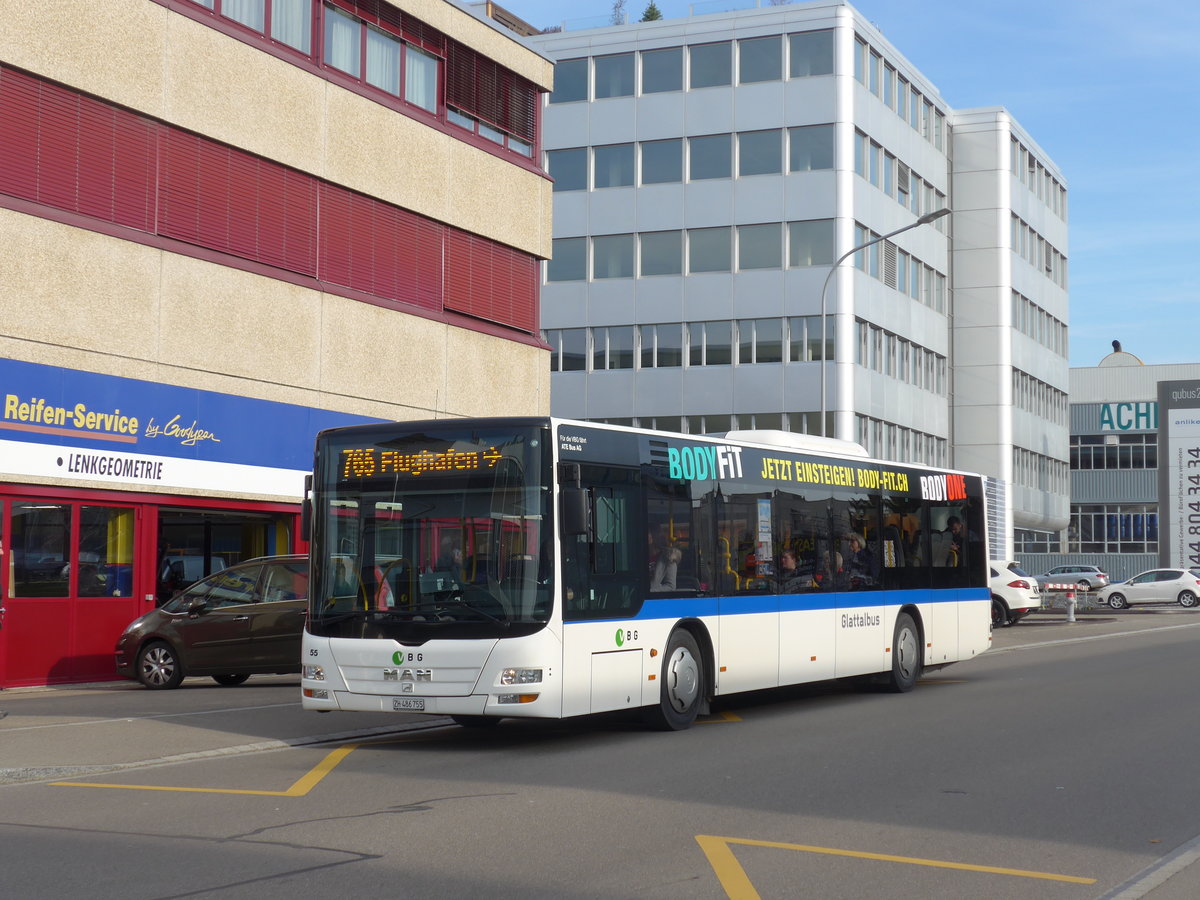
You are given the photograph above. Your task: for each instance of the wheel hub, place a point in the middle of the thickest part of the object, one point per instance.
(683, 679)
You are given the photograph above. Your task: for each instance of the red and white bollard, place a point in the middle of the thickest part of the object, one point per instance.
(1071, 605)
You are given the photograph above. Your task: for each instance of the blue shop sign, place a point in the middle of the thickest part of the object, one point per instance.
(68, 408)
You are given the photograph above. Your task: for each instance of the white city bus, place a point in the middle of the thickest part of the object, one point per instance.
(491, 568)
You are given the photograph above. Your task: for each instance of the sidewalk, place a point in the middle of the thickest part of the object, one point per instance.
(77, 730)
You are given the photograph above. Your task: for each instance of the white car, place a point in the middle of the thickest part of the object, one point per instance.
(1180, 586)
(1015, 593)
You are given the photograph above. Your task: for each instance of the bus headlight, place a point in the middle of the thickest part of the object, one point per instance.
(314, 673)
(521, 676)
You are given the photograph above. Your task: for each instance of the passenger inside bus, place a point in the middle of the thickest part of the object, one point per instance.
(793, 579)
(666, 570)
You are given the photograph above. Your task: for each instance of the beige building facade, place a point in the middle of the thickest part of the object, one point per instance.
(224, 225)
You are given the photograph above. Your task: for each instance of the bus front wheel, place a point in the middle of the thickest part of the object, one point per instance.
(906, 655)
(681, 684)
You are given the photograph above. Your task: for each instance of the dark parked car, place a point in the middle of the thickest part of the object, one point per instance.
(244, 620)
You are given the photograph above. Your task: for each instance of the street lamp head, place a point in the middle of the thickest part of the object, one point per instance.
(932, 216)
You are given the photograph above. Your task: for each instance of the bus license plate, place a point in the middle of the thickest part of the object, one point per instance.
(417, 703)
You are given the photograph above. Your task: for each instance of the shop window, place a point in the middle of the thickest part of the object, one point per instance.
(105, 552)
(40, 545)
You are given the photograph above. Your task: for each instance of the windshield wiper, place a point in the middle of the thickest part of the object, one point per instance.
(507, 623)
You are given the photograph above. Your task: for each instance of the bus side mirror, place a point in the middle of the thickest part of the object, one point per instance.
(306, 509)
(574, 511)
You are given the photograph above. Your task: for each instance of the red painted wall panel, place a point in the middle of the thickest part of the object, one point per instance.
(76, 153)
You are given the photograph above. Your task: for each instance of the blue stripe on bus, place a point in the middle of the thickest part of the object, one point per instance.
(751, 604)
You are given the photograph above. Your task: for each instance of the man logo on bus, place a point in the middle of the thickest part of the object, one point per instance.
(701, 462)
(943, 487)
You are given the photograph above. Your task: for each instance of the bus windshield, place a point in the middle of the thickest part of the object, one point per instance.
(441, 532)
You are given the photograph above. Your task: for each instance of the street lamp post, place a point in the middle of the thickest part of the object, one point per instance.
(923, 220)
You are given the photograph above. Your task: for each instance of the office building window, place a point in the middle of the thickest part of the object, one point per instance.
(568, 349)
(711, 344)
(760, 152)
(569, 260)
(760, 246)
(341, 40)
(811, 53)
(662, 161)
(709, 250)
(662, 253)
(810, 147)
(662, 345)
(861, 144)
(613, 75)
(1113, 528)
(421, 79)
(570, 81)
(760, 341)
(612, 348)
(1114, 451)
(760, 59)
(612, 166)
(711, 65)
(810, 243)
(710, 157)
(804, 339)
(662, 70)
(612, 256)
(568, 168)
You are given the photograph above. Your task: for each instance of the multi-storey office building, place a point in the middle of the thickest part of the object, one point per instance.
(225, 224)
(1135, 450)
(709, 171)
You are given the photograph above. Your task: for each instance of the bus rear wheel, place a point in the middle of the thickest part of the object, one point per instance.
(906, 655)
(681, 684)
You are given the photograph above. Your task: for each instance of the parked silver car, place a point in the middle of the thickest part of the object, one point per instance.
(1089, 577)
(1180, 586)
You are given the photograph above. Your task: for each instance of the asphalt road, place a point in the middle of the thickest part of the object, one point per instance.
(1059, 765)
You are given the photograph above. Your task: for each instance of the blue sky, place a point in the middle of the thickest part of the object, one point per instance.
(1109, 92)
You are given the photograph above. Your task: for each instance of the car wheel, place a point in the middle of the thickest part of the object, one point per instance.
(681, 683)
(231, 680)
(906, 655)
(158, 668)
(1117, 601)
(999, 613)
(1187, 598)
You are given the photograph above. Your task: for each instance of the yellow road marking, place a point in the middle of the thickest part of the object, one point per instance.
(737, 884)
(718, 718)
(302, 786)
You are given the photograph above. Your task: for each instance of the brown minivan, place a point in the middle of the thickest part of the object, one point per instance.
(244, 620)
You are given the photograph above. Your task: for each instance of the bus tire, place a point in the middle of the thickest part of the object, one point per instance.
(681, 684)
(906, 655)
